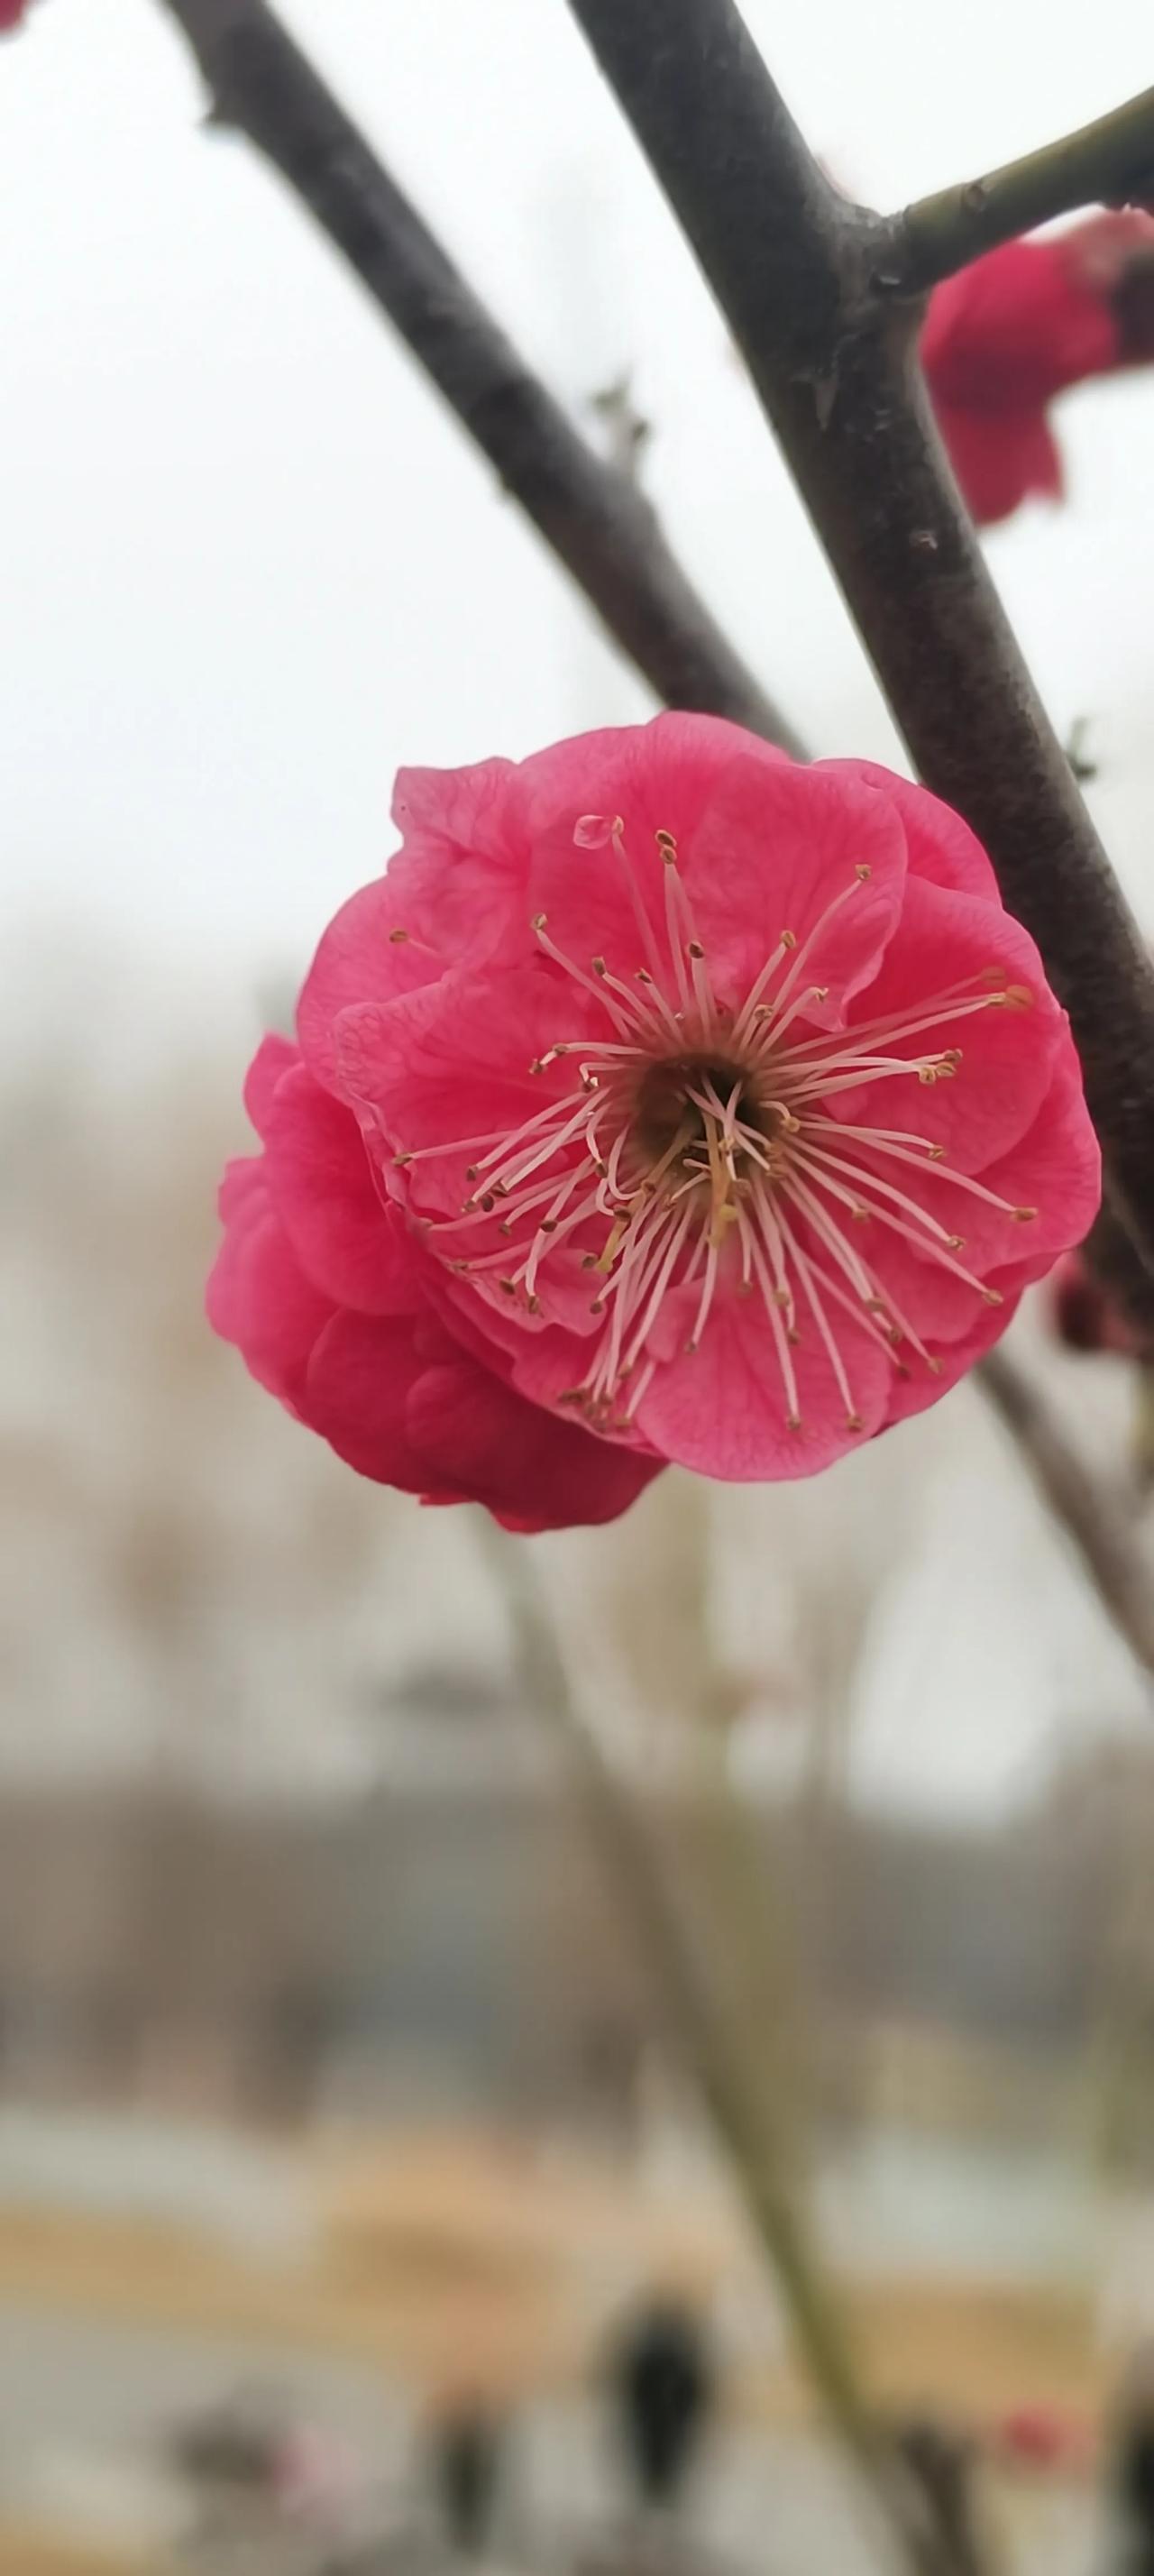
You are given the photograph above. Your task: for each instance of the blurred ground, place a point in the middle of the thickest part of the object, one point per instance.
(440, 2260)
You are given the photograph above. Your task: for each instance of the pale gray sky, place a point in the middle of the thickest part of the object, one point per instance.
(249, 564)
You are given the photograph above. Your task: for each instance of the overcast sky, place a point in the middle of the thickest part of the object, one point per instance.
(250, 564)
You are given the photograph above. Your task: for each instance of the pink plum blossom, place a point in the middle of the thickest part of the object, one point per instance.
(667, 1100)
(1021, 325)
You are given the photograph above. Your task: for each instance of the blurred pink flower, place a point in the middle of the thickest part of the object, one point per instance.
(666, 1100)
(11, 14)
(1085, 1315)
(1017, 327)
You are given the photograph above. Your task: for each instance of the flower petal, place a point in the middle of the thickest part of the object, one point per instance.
(724, 1409)
(763, 845)
(355, 1249)
(258, 1297)
(1007, 1049)
(939, 846)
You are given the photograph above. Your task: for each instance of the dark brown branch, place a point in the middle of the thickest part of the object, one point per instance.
(1118, 1570)
(596, 521)
(1110, 162)
(796, 271)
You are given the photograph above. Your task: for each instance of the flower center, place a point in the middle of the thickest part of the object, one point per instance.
(681, 1101)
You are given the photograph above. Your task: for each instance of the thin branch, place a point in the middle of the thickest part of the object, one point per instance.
(592, 516)
(702, 2027)
(1118, 1570)
(795, 271)
(1110, 162)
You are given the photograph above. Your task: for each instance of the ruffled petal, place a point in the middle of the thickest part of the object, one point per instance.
(353, 1247)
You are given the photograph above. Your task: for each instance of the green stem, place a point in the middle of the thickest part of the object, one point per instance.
(1110, 162)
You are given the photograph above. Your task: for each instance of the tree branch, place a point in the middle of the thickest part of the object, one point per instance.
(702, 2027)
(1110, 162)
(592, 516)
(1118, 1571)
(796, 270)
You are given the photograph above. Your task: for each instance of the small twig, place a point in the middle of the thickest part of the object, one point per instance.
(1110, 162)
(702, 2029)
(594, 518)
(1118, 1570)
(627, 430)
(801, 277)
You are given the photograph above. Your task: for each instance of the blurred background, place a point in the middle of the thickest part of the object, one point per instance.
(339, 2114)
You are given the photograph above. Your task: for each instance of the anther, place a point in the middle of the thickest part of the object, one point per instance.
(667, 846)
(793, 1421)
(396, 936)
(863, 873)
(509, 1286)
(1022, 1216)
(695, 948)
(401, 1163)
(599, 966)
(853, 1422)
(788, 939)
(993, 1297)
(1017, 997)
(538, 921)
(957, 1242)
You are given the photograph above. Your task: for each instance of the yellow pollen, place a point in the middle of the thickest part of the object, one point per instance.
(612, 1245)
(1017, 997)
